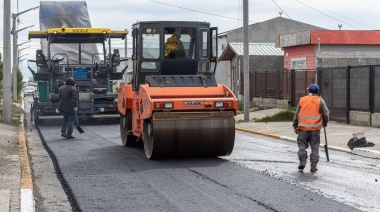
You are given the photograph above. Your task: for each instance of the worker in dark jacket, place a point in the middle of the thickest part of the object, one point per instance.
(311, 114)
(68, 106)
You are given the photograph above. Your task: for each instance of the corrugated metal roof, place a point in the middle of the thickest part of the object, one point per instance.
(266, 49)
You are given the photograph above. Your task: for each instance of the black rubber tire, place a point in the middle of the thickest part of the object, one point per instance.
(148, 139)
(127, 138)
(31, 112)
(36, 118)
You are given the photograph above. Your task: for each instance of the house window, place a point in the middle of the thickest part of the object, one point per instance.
(299, 63)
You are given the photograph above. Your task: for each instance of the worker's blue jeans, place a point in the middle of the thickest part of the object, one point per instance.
(67, 123)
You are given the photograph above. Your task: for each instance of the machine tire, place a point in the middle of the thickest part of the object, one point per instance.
(31, 112)
(35, 117)
(127, 138)
(148, 139)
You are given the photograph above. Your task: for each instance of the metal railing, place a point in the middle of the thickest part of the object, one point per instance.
(285, 84)
(343, 88)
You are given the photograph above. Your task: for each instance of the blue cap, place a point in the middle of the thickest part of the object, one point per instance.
(313, 88)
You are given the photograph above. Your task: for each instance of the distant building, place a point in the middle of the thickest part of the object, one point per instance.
(330, 48)
(262, 57)
(267, 33)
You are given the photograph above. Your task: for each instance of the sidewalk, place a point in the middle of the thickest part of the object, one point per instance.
(338, 134)
(16, 192)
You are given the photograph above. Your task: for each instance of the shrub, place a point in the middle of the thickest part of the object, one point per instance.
(240, 105)
(286, 115)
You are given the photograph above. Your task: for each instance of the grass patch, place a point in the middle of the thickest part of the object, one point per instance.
(16, 121)
(286, 115)
(19, 100)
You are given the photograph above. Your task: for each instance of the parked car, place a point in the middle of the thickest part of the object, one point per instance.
(28, 90)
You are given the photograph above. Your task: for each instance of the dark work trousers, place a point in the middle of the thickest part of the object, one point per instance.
(306, 138)
(68, 123)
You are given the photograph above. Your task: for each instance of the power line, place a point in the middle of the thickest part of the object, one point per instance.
(346, 17)
(326, 14)
(184, 8)
(288, 15)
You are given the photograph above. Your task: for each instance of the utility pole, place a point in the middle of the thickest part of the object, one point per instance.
(246, 61)
(7, 113)
(15, 59)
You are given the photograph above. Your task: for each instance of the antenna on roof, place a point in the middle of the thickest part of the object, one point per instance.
(280, 13)
(340, 26)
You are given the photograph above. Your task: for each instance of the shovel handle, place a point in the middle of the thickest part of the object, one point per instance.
(326, 145)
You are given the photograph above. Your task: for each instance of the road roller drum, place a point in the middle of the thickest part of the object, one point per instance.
(189, 134)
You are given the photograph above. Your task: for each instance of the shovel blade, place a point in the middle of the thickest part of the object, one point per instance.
(80, 130)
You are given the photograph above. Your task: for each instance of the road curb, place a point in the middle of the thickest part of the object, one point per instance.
(26, 183)
(357, 151)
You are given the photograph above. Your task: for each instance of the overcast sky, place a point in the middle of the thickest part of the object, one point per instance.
(225, 14)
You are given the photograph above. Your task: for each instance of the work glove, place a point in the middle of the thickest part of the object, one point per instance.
(324, 124)
(75, 109)
(295, 130)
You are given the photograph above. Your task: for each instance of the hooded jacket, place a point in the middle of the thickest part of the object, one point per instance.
(68, 99)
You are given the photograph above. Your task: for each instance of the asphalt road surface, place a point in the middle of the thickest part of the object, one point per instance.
(96, 173)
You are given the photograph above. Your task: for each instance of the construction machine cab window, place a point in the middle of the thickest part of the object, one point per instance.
(203, 51)
(179, 42)
(151, 43)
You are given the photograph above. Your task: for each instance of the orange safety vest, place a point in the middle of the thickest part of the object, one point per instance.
(309, 116)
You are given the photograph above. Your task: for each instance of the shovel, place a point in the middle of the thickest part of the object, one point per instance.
(80, 130)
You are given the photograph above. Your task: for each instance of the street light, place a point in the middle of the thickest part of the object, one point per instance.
(23, 55)
(22, 29)
(18, 52)
(19, 61)
(23, 48)
(15, 59)
(24, 43)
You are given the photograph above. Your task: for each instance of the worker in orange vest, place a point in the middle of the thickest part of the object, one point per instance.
(311, 114)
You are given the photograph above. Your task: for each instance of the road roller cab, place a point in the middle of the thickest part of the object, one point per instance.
(173, 103)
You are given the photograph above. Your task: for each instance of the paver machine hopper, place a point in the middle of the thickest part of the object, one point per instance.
(173, 103)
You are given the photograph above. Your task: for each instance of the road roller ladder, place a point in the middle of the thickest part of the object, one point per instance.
(173, 103)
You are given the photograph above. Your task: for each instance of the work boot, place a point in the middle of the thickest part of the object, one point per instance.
(69, 136)
(63, 134)
(302, 163)
(313, 167)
